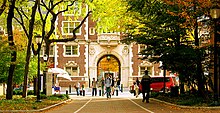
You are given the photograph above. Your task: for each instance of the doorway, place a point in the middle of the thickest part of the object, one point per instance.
(108, 64)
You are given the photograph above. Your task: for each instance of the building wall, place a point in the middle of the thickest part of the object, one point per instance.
(92, 47)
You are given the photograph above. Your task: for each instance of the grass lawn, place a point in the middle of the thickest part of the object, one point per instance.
(185, 100)
(29, 103)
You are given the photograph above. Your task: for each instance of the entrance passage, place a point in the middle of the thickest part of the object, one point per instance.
(108, 64)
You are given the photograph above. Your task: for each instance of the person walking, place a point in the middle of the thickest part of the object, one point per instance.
(118, 83)
(108, 86)
(77, 88)
(145, 83)
(138, 84)
(113, 85)
(136, 89)
(94, 87)
(103, 85)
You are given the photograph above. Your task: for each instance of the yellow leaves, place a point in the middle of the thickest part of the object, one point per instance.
(19, 39)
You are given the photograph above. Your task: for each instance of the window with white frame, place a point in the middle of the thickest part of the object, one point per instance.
(69, 26)
(73, 71)
(43, 49)
(106, 31)
(71, 50)
(75, 9)
(92, 31)
(142, 69)
(142, 47)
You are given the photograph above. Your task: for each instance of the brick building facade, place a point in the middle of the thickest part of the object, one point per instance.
(84, 58)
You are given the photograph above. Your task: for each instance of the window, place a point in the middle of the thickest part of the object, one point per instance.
(106, 31)
(51, 51)
(142, 47)
(71, 50)
(142, 69)
(69, 26)
(73, 71)
(91, 30)
(75, 9)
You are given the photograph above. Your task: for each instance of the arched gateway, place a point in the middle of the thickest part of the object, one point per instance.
(110, 61)
(108, 64)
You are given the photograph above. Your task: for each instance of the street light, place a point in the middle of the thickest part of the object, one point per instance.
(45, 57)
(38, 41)
(215, 14)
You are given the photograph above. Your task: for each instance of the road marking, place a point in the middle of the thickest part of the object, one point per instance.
(140, 106)
(83, 106)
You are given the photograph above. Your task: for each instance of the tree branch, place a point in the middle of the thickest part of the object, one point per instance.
(2, 8)
(84, 19)
(52, 27)
(74, 35)
(21, 22)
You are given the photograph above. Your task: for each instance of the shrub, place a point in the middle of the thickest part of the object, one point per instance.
(30, 92)
(17, 92)
(43, 96)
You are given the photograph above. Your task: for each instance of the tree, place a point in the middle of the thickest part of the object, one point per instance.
(192, 10)
(13, 48)
(20, 42)
(164, 27)
(109, 15)
(28, 30)
(4, 60)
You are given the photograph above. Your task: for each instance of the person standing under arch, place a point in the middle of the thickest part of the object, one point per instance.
(145, 83)
(94, 87)
(108, 86)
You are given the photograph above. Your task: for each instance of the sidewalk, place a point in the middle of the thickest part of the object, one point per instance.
(88, 94)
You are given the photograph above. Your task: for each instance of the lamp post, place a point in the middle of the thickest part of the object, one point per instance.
(38, 40)
(45, 57)
(215, 14)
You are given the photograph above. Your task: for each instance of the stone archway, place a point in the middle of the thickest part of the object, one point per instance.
(124, 65)
(108, 64)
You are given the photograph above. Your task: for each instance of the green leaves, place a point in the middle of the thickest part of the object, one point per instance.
(162, 32)
(109, 14)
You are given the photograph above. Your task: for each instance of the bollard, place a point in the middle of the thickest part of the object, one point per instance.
(116, 92)
(83, 92)
(121, 87)
(80, 93)
(70, 88)
(100, 92)
(66, 91)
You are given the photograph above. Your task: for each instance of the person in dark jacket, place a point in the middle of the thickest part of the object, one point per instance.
(145, 83)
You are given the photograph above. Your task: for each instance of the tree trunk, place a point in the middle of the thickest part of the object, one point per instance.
(13, 48)
(28, 54)
(199, 74)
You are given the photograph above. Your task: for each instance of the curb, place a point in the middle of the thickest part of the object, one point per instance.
(39, 110)
(185, 107)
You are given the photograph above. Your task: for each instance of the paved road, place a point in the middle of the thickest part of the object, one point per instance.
(121, 104)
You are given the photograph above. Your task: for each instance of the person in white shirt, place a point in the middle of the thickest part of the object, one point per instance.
(77, 88)
(94, 87)
(108, 83)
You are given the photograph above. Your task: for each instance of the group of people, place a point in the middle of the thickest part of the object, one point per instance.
(107, 84)
(143, 87)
